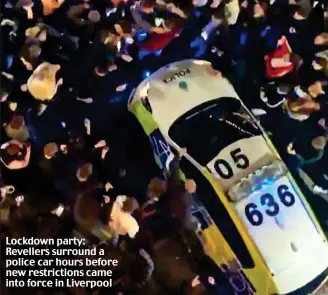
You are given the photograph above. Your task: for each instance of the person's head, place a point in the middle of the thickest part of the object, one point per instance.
(87, 208)
(259, 10)
(190, 186)
(42, 83)
(219, 13)
(50, 150)
(37, 33)
(13, 149)
(16, 122)
(321, 63)
(316, 89)
(321, 39)
(129, 205)
(49, 6)
(84, 172)
(156, 188)
(94, 16)
(125, 28)
(48, 71)
(301, 13)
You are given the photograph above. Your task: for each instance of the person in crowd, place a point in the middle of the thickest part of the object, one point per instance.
(31, 50)
(15, 155)
(139, 273)
(209, 278)
(87, 210)
(43, 83)
(121, 220)
(50, 151)
(111, 46)
(84, 172)
(16, 129)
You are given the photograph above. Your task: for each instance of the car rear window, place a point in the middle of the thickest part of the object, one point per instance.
(212, 126)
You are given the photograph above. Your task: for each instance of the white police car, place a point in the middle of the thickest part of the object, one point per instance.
(252, 213)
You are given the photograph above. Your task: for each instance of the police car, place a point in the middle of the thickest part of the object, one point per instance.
(254, 221)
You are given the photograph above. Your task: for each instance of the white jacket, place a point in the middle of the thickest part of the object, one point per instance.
(122, 222)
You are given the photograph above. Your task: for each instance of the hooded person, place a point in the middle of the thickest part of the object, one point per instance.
(16, 129)
(278, 63)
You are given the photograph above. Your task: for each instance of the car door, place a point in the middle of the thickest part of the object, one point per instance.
(208, 210)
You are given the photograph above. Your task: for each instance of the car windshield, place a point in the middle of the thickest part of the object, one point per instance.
(212, 126)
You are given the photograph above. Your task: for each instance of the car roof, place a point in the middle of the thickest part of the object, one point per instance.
(198, 84)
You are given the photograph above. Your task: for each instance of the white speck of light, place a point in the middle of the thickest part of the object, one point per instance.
(129, 40)
(119, 46)
(110, 11)
(121, 87)
(200, 62)
(63, 124)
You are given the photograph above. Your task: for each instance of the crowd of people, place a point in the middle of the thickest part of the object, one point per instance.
(274, 52)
